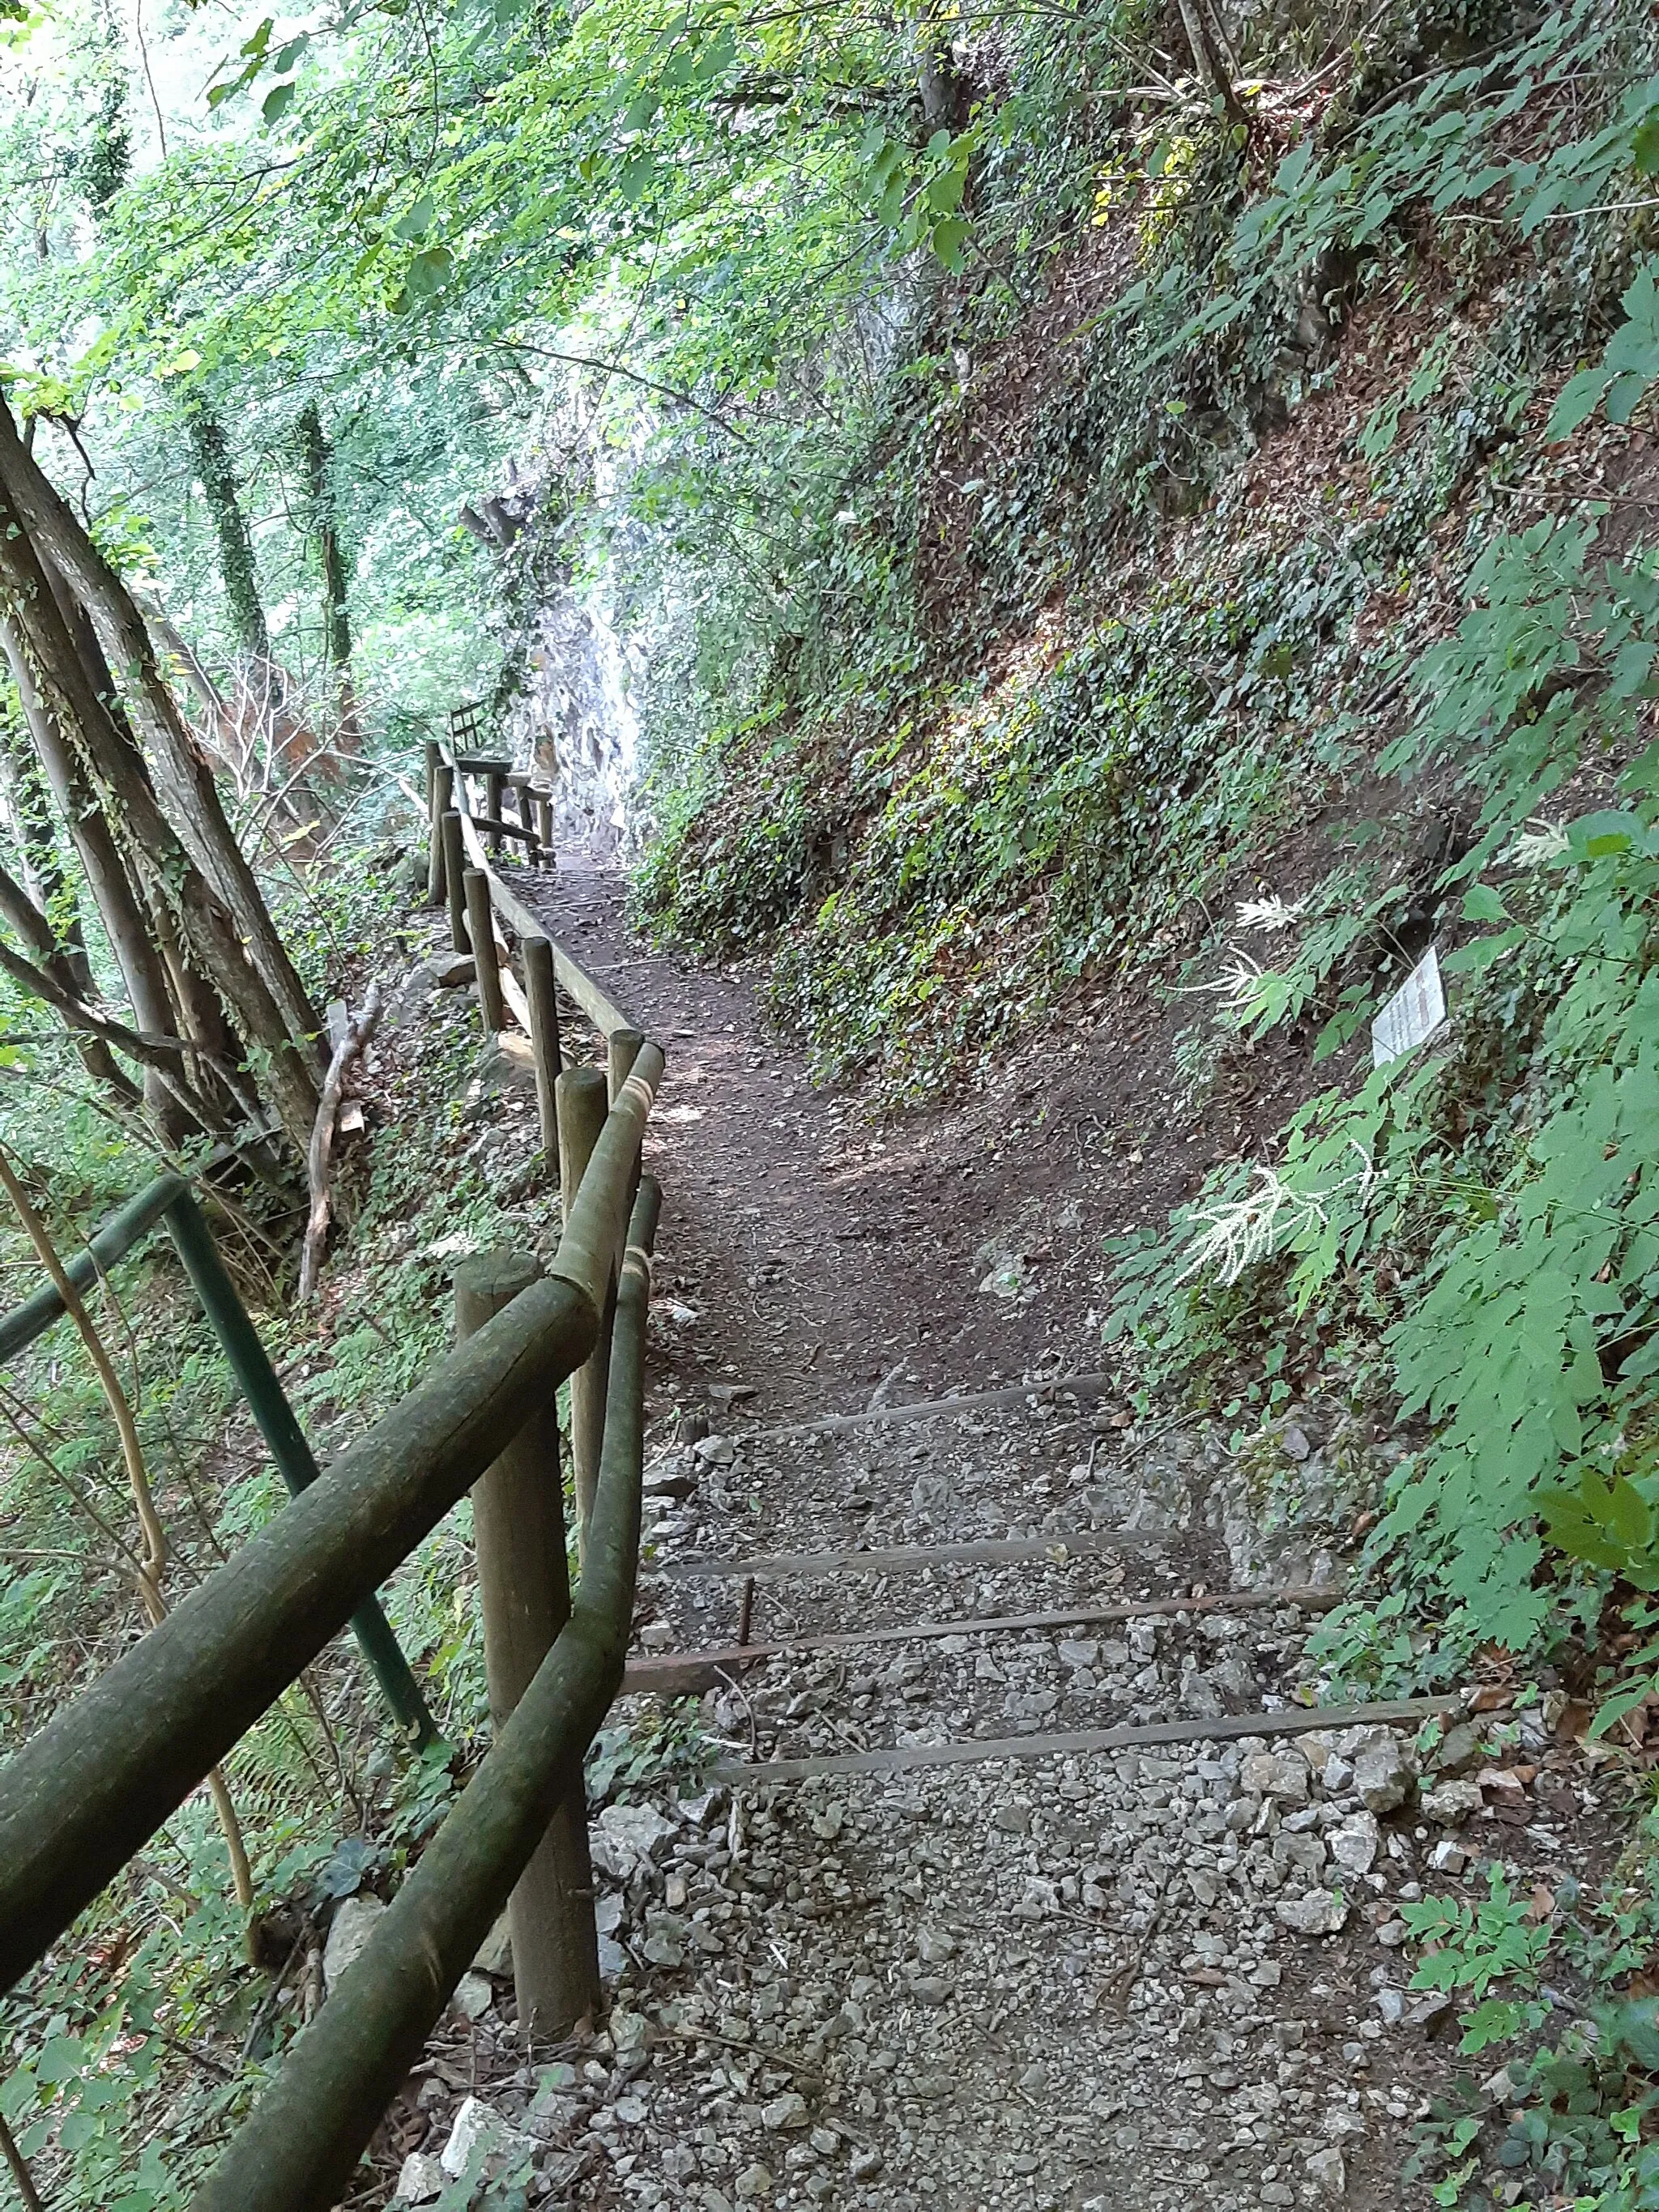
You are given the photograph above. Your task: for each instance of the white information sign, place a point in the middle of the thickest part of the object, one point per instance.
(1414, 1014)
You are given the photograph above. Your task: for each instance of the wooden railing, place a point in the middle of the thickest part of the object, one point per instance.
(89, 1790)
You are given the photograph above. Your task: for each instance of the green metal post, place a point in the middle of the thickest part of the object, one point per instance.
(250, 1364)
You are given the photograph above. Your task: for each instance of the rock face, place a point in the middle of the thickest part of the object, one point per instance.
(495, 1955)
(419, 2179)
(355, 1921)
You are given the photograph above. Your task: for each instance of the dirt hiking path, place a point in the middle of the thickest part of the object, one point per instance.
(926, 1941)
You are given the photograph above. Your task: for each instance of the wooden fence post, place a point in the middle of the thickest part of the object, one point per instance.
(544, 825)
(519, 785)
(622, 1051)
(581, 1111)
(523, 1587)
(454, 883)
(443, 785)
(480, 930)
(543, 1036)
(494, 798)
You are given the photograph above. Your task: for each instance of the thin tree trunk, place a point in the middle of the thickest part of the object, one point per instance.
(1213, 56)
(210, 453)
(53, 960)
(32, 2201)
(197, 1013)
(316, 459)
(183, 777)
(49, 887)
(153, 1562)
(208, 930)
(124, 919)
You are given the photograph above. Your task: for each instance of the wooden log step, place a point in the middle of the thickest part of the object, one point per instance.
(688, 1674)
(907, 1559)
(1294, 1720)
(940, 1409)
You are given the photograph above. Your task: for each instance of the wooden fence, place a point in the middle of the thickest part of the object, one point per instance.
(93, 1787)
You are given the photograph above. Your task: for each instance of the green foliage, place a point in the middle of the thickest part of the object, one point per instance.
(1568, 2116)
(1509, 1180)
(1499, 1938)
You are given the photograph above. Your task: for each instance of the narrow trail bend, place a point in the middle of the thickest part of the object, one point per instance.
(1125, 1980)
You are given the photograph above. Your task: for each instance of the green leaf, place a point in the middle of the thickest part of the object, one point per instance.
(1483, 953)
(1609, 1714)
(1644, 146)
(639, 173)
(1577, 400)
(944, 191)
(61, 2059)
(278, 102)
(947, 240)
(428, 272)
(1628, 1516)
(1482, 904)
(1492, 2021)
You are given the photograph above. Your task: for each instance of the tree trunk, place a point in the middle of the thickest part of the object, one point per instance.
(207, 927)
(197, 1013)
(54, 959)
(211, 455)
(183, 777)
(49, 888)
(124, 919)
(1213, 57)
(316, 459)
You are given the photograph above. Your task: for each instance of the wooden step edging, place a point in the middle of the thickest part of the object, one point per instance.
(903, 1558)
(938, 1409)
(1298, 1720)
(688, 1674)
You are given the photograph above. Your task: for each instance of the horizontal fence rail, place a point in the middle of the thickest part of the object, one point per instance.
(93, 1786)
(90, 1790)
(297, 2152)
